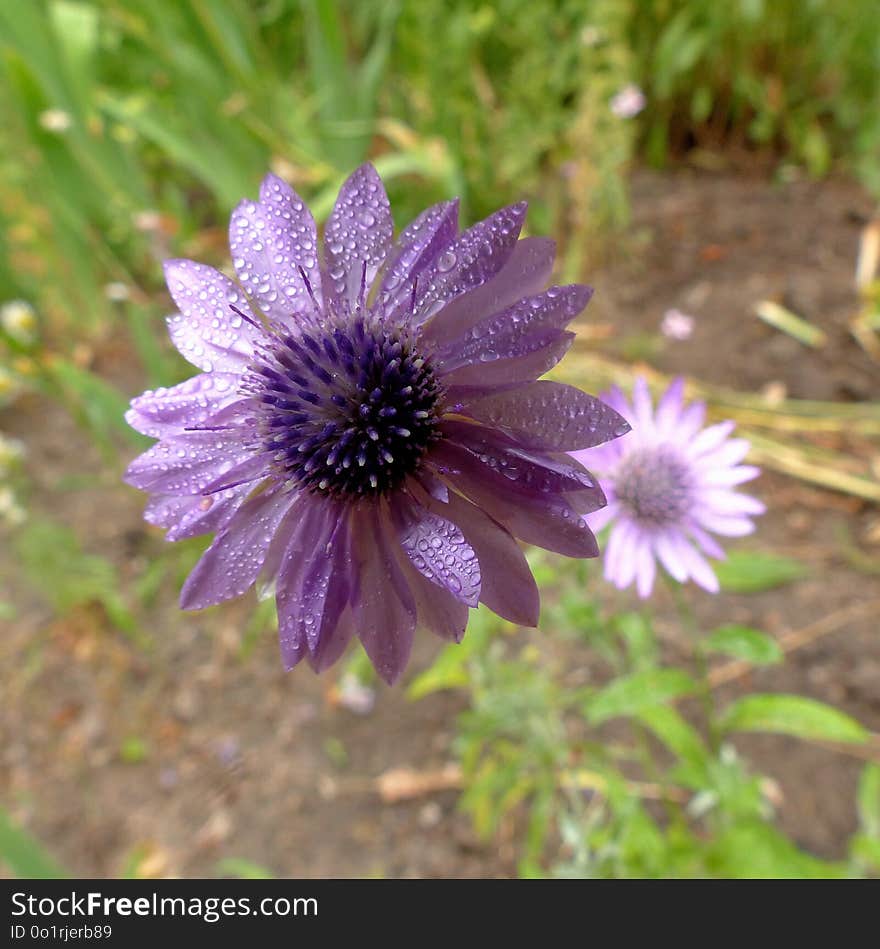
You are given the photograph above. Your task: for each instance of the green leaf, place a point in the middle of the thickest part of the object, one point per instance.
(756, 850)
(681, 738)
(450, 669)
(752, 572)
(243, 869)
(24, 855)
(741, 642)
(868, 800)
(634, 693)
(792, 715)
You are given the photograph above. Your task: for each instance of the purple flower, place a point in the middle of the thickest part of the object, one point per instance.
(669, 483)
(366, 435)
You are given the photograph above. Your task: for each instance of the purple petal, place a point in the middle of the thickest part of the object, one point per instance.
(230, 565)
(383, 606)
(707, 543)
(501, 461)
(357, 237)
(502, 373)
(700, 571)
(166, 411)
(187, 463)
(325, 593)
(725, 502)
(619, 549)
(508, 587)
(470, 261)
(550, 416)
(525, 271)
(669, 407)
(315, 583)
(690, 422)
(206, 331)
(646, 570)
(438, 550)
(270, 241)
(729, 477)
(438, 610)
(544, 520)
(643, 408)
(333, 640)
(306, 551)
(727, 525)
(725, 455)
(710, 438)
(418, 246)
(512, 331)
(667, 549)
(190, 515)
(599, 519)
(631, 556)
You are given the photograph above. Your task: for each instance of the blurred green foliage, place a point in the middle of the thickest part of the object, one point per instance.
(131, 127)
(638, 776)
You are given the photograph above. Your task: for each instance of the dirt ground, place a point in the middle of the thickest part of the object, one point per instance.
(243, 761)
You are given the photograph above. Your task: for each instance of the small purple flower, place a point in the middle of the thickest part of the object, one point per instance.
(366, 436)
(669, 483)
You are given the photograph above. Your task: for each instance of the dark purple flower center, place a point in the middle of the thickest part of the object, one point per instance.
(654, 486)
(349, 410)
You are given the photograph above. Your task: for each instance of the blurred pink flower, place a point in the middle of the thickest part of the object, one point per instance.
(677, 325)
(628, 102)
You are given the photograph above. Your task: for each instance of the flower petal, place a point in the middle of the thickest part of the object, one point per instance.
(667, 548)
(383, 604)
(546, 520)
(697, 566)
(618, 551)
(187, 463)
(508, 587)
(356, 239)
(710, 438)
(502, 461)
(729, 477)
(306, 548)
(190, 515)
(438, 550)
(437, 609)
(162, 412)
(669, 407)
(270, 241)
(646, 570)
(206, 331)
(524, 272)
(728, 525)
(550, 416)
(506, 373)
(506, 333)
(727, 503)
(470, 261)
(230, 565)
(418, 246)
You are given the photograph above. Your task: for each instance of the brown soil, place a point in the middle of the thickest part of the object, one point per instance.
(242, 761)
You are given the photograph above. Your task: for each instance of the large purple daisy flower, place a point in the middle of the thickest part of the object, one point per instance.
(366, 435)
(669, 483)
